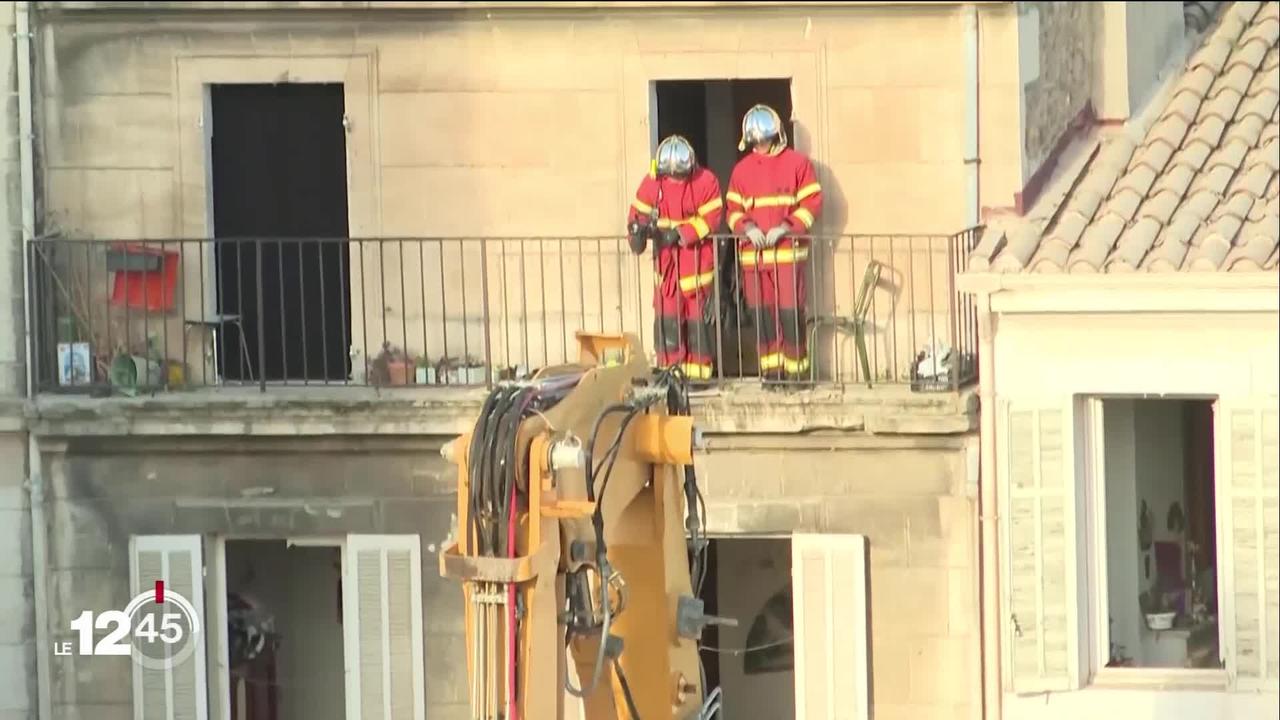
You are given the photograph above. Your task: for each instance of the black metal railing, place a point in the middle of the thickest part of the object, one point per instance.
(147, 315)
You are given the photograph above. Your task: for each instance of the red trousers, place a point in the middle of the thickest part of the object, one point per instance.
(685, 280)
(774, 284)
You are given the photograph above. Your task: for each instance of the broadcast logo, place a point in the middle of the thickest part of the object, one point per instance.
(159, 629)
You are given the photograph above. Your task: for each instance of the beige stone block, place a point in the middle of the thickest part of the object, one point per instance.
(877, 125)
(904, 48)
(952, 547)
(943, 670)
(867, 472)
(900, 198)
(890, 668)
(64, 199)
(722, 518)
(111, 204)
(112, 131)
(913, 600)
(745, 475)
(491, 202)
(962, 594)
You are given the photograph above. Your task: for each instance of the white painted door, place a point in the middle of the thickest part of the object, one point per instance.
(382, 627)
(829, 608)
(179, 692)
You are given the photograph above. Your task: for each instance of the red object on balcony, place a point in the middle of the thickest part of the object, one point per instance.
(145, 277)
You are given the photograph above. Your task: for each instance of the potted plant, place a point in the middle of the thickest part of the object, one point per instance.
(391, 367)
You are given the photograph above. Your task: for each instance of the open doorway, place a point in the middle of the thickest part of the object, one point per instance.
(1160, 533)
(280, 212)
(749, 579)
(285, 635)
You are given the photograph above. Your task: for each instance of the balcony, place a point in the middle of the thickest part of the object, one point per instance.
(291, 315)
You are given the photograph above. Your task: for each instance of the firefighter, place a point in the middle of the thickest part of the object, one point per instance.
(773, 200)
(678, 206)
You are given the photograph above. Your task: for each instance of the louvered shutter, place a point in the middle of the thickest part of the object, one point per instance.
(180, 692)
(829, 591)
(382, 623)
(1039, 572)
(1251, 583)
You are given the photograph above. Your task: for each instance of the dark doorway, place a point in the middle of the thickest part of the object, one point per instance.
(280, 216)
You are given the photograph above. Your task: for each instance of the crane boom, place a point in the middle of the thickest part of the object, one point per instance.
(577, 511)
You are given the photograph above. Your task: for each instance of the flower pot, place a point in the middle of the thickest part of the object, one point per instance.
(400, 372)
(1161, 621)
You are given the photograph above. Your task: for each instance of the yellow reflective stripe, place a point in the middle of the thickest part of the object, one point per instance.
(689, 283)
(795, 366)
(772, 361)
(733, 197)
(804, 216)
(700, 226)
(640, 205)
(774, 201)
(772, 256)
(807, 190)
(696, 371)
(713, 204)
(734, 217)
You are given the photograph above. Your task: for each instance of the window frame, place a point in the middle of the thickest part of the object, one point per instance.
(1091, 495)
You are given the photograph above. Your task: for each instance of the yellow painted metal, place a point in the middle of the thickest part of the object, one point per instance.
(663, 439)
(643, 512)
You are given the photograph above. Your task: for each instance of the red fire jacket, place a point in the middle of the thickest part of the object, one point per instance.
(769, 190)
(694, 208)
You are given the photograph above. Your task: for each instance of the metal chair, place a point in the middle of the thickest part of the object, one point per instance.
(215, 323)
(856, 323)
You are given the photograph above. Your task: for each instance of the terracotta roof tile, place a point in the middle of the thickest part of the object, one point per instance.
(1160, 207)
(1201, 192)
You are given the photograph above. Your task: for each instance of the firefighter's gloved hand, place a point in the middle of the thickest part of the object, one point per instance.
(775, 235)
(756, 236)
(637, 234)
(670, 237)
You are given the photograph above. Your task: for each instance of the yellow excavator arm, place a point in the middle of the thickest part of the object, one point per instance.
(578, 512)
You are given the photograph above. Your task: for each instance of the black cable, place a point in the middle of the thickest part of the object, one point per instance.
(591, 445)
(626, 690)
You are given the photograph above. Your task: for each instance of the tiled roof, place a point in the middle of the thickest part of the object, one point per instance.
(1201, 192)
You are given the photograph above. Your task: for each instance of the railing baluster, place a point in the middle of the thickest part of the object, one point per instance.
(262, 325)
(321, 249)
(484, 297)
(422, 292)
(404, 319)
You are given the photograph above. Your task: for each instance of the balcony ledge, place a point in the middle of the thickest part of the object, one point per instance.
(313, 411)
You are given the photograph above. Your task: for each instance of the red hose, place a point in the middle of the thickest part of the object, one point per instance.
(511, 612)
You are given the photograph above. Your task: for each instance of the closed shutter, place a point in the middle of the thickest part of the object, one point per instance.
(382, 623)
(179, 692)
(1039, 572)
(829, 591)
(1251, 584)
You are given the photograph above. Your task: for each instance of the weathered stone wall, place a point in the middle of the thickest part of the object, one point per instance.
(102, 492)
(17, 613)
(912, 498)
(915, 499)
(1058, 71)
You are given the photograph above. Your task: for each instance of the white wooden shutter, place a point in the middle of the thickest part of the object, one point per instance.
(382, 626)
(1249, 510)
(1039, 572)
(181, 692)
(829, 609)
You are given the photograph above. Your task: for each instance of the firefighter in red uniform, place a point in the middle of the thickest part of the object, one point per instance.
(773, 199)
(677, 206)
